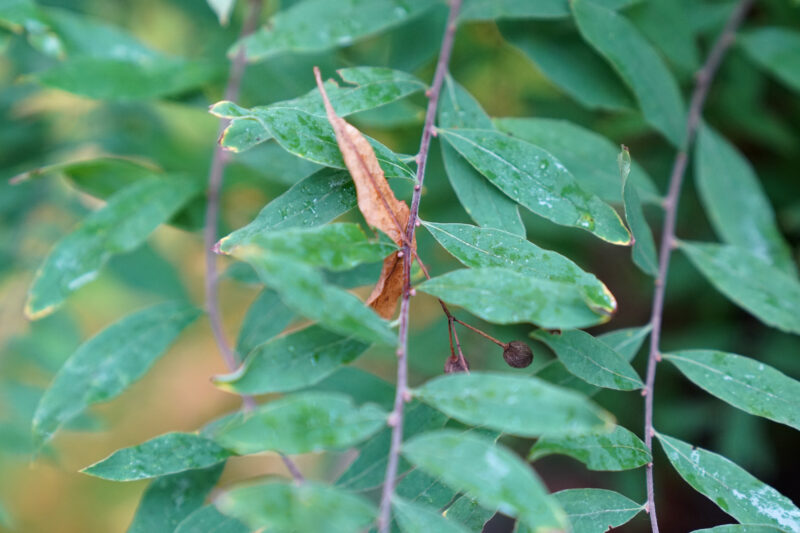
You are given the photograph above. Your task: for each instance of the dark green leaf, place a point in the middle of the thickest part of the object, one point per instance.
(166, 454)
(208, 520)
(596, 510)
(291, 362)
(638, 64)
(518, 405)
(469, 513)
(301, 423)
(120, 226)
(644, 247)
(479, 247)
(750, 282)
(618, 450)
(668, 24)
(266, 317)
(537, 180)
(777, 50)
(627, 341)
(744, 383)
(285, 506)
(360, 385)
(495, 476)
(735, 202)
(501, 9)
(741, 528)
(416, 518)
(105, 365)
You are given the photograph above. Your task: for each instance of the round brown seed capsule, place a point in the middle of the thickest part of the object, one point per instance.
(517, 354)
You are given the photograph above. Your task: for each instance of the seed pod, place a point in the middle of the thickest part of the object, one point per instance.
(517, 354)
(453, 364)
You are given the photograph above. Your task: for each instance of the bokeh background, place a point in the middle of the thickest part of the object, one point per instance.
(42, 126)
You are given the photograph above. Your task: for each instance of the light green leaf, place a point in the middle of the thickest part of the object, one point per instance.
(741, 528)
(644, 247)
(505, 296)
(105, 365)
(777, 50)
(734, 490)
(496, 477)
(735, 202)
(596, 510)
(291, 362)
(618, 450)
(537, 180)
(122, 225)
(166, 454)
(360, 385)
(474, 10)
(266, 317)
(168, 500)
(301, 423)
(469, 513)
(312, 202)
(638, 64)
(668, 24)
(416, 518)
(317, 25)
(744, 383)
(518, 405)
(627, 341)
(484, 203)
(208, 520)
(750, 282)
(223, 9)
(588, 156)
(285, 506)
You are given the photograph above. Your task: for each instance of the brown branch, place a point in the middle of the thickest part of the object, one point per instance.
(402, 395)
(219, 161)
(702, 85)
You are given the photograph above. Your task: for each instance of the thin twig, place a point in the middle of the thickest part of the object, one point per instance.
(482, 333)
(401, 396)
(219, 161)
(702, 85)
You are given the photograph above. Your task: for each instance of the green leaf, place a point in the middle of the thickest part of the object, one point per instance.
(360, 385)
(627, 341)
(291, 362)
(618, 450)
(588, 156)
(469, 513)
(735, 201)
(484, 203)
(638, 64)
(668, 24)
(644, 247)
(744, 383)
(303, 289)
(105, 365)
(483, 10)
(495, 477)
(596, 510)
(518, 405)
(505, 296)
(285, 506)
(777, 50)
(266, 317)
(168, 500)
(479, 247)
(734, 490)
(301, 423)
(537, 180)
(317, 25)
(416, 518)
(312, 202)
(122, 225)
(208, 520)
(166, 454)
(569, 63)
(741, 528)
(747, 280)
(590, 359)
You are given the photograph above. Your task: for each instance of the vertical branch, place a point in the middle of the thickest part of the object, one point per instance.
(703, 81)
(402, 395)
(219, 161)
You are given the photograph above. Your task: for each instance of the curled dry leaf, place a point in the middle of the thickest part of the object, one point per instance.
(376, 201)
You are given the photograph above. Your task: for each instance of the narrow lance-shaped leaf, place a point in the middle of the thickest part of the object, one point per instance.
(495, 477)
(537, 180)
(292, 362)
(644, 247)
(777, 50)
(208, 519)
(105, 365)
(745, 383)
(638, 64)
(671, 28)
(121, 225)
(266, 317)
(469, 512)
(733, 489)
(735, 201)
(750, 282)
(618, 450)
(517, 405)
(596, 510)
(417, 518)
(301, 423)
